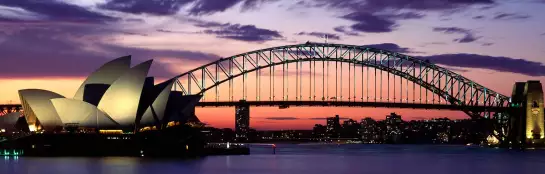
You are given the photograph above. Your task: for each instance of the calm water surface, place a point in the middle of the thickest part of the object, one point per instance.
(297, 159)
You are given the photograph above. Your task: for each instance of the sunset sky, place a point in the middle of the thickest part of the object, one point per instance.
(54, 44)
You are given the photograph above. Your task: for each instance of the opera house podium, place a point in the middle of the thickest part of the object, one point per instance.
(117, 111)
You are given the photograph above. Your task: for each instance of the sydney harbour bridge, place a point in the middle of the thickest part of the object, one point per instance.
(337, 75)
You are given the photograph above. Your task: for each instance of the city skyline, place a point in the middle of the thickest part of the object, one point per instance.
(482, 40)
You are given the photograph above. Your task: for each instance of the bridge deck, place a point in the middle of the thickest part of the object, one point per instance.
(336, 104)
(350, 104)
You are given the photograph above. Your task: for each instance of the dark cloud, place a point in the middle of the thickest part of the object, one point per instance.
(510, 16)
(478, 17)
(58, 11)
(342, 29)
(204, 7)
(424, 4)
(320, 35)
(487, 44)
(469, 36)
(171, 7)
(206, 24)
(282, 118)
(367, 22)
(249, 33)
(381, 5)
(461, 60)
(379, 16)
(72, 51)
(404, 16)
(502, 64)
(154, 7)
(391, 47)
(378, 22)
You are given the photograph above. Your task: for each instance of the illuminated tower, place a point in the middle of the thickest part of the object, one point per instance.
(534, 112)
(242, 121)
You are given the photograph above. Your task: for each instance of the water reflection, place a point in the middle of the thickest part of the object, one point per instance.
(119, 165)
(289, 159)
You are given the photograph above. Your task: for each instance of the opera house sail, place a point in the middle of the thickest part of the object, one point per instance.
(114, 97)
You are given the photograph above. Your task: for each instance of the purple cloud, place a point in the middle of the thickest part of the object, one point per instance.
(502, 64)
(382, 5)
(376, 22)
(73, 51)
(206, 24)
(155, 7)
(468, 34)
(249, 33)
(367, 22)
(463, 60)
(478, 17)
(404, 16)
(320, 35)
(204, 7)
(391, 47)
(342, 29)
(58, 11)
(171, 7)
(510, 16)
(425, 4)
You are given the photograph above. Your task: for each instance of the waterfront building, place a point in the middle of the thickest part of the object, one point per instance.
(242, 122)
(114, 97)
(350, 129)
(393, 128)
(333, 127)
(319, 131)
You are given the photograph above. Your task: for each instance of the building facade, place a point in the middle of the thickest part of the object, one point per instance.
(333, 127)
(242, 121)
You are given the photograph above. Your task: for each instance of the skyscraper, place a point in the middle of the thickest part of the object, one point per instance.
(242, 122)
(333, 126)
(393, 127)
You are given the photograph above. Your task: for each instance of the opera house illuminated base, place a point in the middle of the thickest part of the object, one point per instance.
(114, 97)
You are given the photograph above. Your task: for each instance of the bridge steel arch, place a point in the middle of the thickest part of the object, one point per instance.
(452, 87)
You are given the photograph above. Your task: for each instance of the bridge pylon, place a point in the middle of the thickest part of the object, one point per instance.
(527, 116)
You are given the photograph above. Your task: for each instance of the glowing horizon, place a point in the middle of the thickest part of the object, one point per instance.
(492, 42)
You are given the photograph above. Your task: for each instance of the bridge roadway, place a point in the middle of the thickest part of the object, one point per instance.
(286, 104)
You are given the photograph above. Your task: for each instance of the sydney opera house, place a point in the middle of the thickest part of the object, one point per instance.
(116, 97)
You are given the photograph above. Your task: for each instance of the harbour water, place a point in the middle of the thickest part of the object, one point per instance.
(297, 159)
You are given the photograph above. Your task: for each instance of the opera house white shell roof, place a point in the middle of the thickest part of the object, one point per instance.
(118, 104)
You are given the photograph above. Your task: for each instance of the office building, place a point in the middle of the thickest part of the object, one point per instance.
(242, 122)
